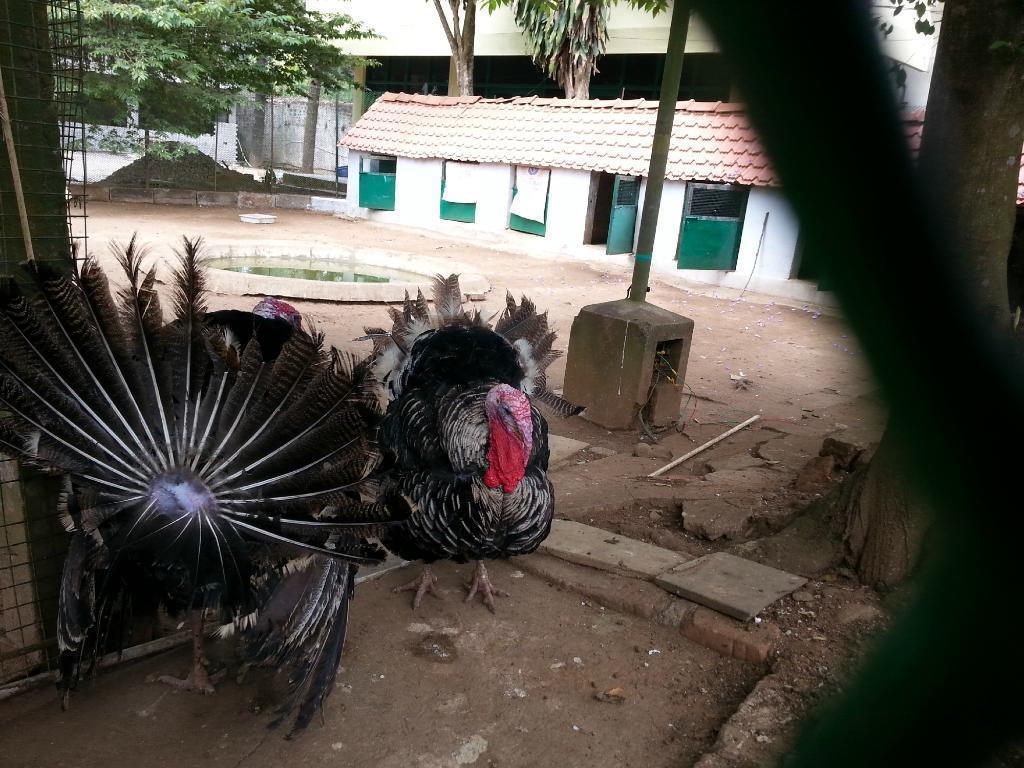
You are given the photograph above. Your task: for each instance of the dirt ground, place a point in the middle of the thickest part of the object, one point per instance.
(450, 685)
(193, 170)
(748, 495)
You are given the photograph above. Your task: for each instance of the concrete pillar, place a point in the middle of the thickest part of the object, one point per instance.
(614, 350)
(358, 94)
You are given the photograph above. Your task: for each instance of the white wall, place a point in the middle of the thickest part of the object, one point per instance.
(764, 266)
(775, 258)
(412, 28)
(495, 187)
(568, 195)
(418, 192)
(220, 145)
(670, 218)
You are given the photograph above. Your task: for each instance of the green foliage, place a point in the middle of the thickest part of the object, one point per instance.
(185, 61)
(654, 7)
(565, 37)
(922, 25)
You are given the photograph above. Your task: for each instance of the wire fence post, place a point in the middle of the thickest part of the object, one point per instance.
(270, 162)
(337, 140)
(216, 150)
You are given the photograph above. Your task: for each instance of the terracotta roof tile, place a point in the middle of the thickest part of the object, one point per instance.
(711, 141)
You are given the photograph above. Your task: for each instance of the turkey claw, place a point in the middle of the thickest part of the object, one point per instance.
(481, 583)
(425, 584)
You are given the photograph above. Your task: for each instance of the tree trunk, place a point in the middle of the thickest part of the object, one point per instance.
(970, 157)
(580, 82)
(257, 149)
(467, 42)
(309, 136)
(461, 41)
(971, 145)
(882, 524)
(28, 78)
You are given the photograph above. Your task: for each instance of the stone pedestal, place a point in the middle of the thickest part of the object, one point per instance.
(613, 350)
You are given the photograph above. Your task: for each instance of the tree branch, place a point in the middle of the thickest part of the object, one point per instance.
(457, 30)
(452, 42)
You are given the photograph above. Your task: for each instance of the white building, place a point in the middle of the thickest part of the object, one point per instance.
(572, 173)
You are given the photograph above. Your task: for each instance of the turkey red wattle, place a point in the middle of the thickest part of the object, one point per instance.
(511, 437)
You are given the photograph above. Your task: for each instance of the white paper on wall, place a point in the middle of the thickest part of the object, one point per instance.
(460, 185)
(531, 193)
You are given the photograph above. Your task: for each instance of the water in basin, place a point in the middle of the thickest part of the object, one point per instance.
(323, 270)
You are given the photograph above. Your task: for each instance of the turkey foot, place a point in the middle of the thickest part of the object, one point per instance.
(198, 680)
(425, 584)
(482, 584)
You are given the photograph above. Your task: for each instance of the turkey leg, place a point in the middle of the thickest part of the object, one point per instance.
(481, 583)
(425, 584)
(198, 680)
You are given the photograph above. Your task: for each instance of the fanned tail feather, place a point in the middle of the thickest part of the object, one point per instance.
(186, 447)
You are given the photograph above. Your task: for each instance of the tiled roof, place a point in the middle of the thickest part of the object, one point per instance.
(711, 141)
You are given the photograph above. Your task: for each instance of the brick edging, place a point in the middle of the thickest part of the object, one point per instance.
(751, 643)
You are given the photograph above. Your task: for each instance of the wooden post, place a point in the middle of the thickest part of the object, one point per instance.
(12, 156)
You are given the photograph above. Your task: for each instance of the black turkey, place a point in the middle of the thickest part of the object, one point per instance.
(206, 471)
(466, 450)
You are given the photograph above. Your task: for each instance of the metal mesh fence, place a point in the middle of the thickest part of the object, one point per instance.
(32, 547)
(42, 141)
(264, 144)
(41, 63)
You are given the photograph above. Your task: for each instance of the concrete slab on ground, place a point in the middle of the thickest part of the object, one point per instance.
(393, 562)
(562, 449)
(586, 545)
(729, 584)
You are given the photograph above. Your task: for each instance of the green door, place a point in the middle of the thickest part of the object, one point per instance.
(465, 212)
(377, 182)
(622, 224)
(712, 223)
(521, 224)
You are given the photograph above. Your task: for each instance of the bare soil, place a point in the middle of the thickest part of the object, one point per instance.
(450, 685)
(193, 170)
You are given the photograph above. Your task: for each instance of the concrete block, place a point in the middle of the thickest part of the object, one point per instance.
(586, 545)
(330, 205)
(130, 195)
(255, 200)
(97, 194)
(562, 449)
(174, 196)
(731, 585)
(212, 199)
(738, 462)
(613, 350)
(293, 202)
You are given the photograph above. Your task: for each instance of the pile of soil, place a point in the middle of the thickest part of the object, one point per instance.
(193, 170)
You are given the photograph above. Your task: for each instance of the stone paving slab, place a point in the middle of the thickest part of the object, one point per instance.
(393, 562)
(729, 584)
(586, 545)
(562, 449)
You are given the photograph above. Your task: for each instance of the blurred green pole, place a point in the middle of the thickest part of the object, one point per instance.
(659, 149)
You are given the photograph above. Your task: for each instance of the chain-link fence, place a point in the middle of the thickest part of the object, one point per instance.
(264, 144)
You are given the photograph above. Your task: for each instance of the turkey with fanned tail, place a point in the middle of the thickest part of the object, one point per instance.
(466, 449)
(213, 462)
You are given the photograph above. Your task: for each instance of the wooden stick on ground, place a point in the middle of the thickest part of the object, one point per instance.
(19, 193)
(708, 444)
